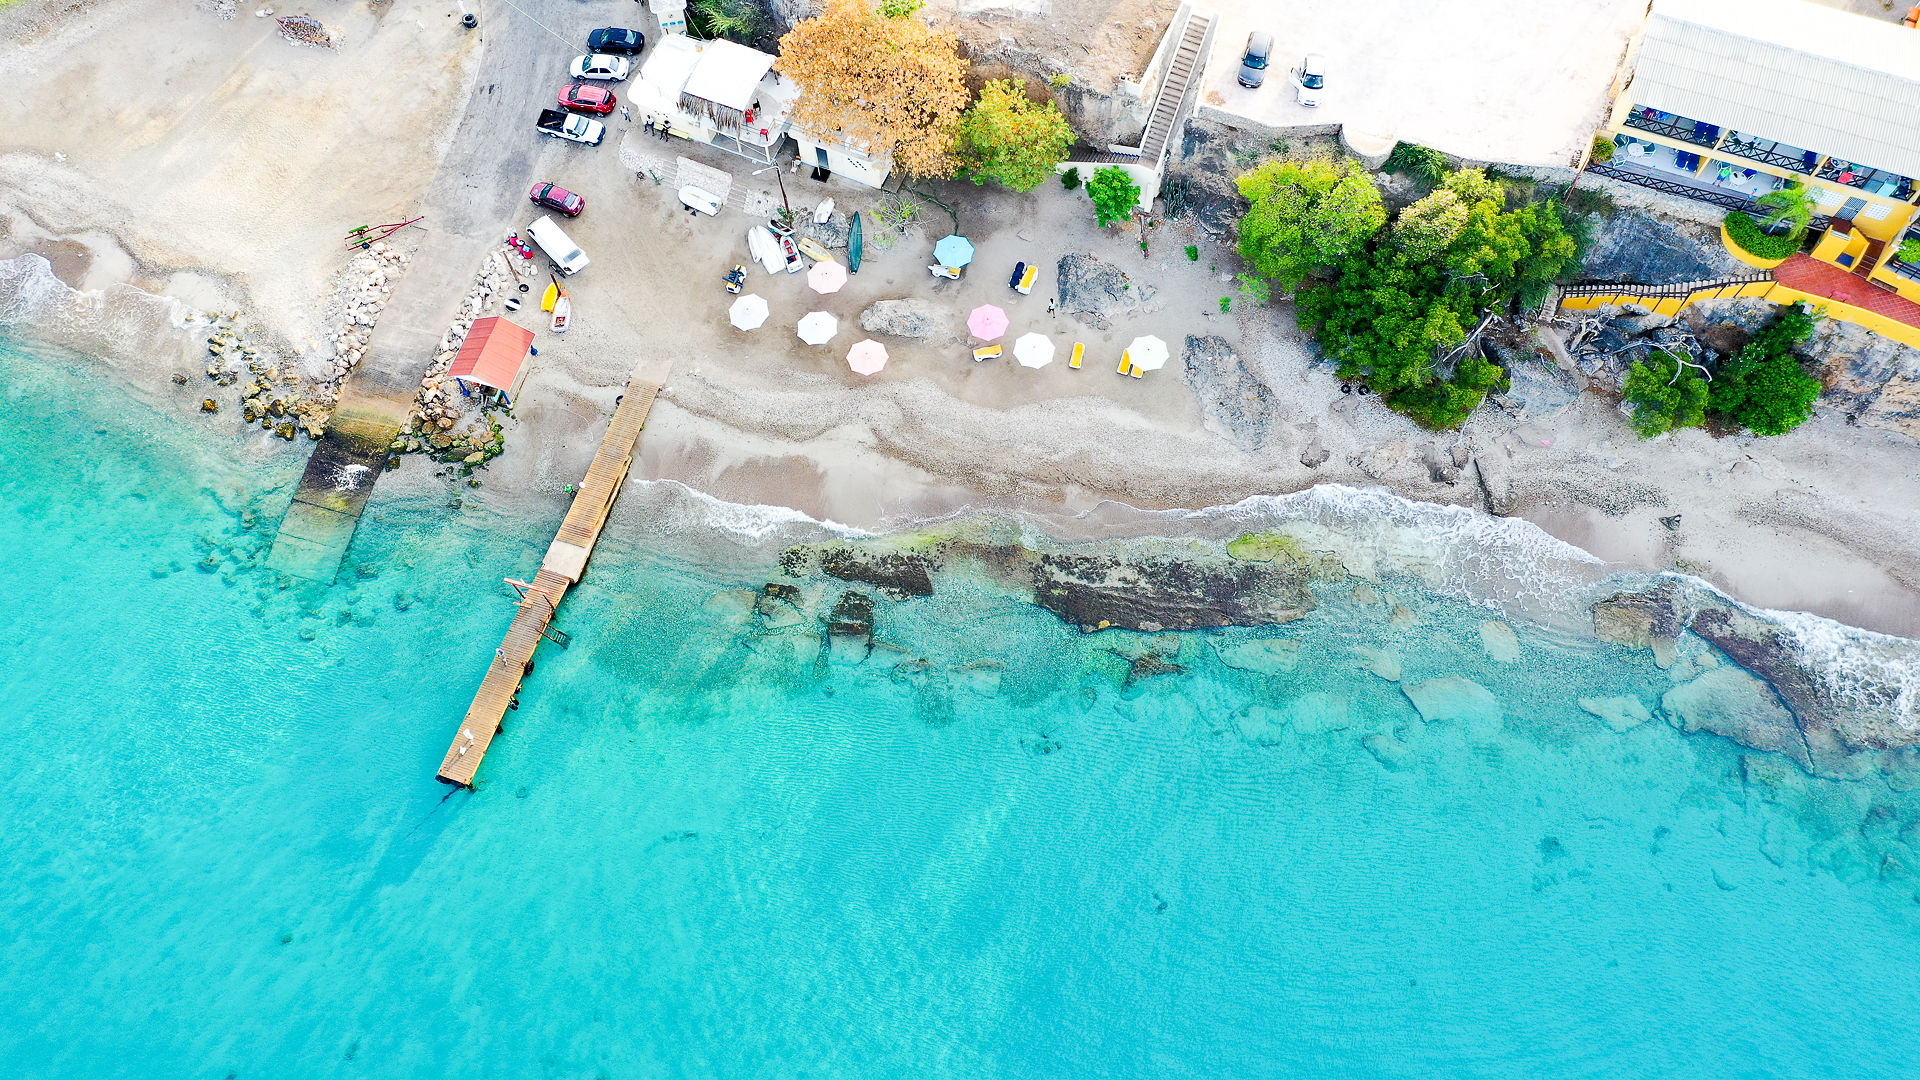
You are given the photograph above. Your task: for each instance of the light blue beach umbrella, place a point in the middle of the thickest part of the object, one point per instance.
(953, 250)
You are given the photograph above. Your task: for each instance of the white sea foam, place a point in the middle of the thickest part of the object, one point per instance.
(1857, 665)
(121, 322)
(678, 505)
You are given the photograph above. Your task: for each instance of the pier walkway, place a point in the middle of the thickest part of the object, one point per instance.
(565, 561)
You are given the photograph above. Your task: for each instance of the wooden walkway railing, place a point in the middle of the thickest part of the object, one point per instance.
(565, 561)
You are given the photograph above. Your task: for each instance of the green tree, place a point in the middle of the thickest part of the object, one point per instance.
(1792, 205)
(1397, 313)
(1005, 137)
(1305, 217)
(900, 9)
(1762, 387)
(1114, 195)
(1665, 395)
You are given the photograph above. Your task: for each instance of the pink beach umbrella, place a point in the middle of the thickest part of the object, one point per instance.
(867, 357)
(826, 276)
(987, 322)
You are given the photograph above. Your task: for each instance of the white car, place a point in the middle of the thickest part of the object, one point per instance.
(600, 66)
(1311, 83)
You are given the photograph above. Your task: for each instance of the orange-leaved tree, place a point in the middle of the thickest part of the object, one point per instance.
(888, 84)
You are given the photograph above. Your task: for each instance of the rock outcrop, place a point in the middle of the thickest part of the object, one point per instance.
(1235, 400)
(1096, 290)
(913, 318)
(1095, 592)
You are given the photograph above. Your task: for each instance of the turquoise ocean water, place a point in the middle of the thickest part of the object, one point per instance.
(700, 851)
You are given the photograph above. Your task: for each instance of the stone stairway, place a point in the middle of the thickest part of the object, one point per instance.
(1184, 69)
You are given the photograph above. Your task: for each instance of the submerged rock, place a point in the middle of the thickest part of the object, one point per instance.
(898, 575)
(1644, 620)
(1499, 641)
(1456, 700)
(1393, 754)
(1096, 592)
(1728, 701)
(1622, 714)
(778, 606)
(1266, 656)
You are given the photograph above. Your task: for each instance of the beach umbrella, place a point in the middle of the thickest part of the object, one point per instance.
(953, 251)
(818, 328)
(867, 357)
(987, 322)
(1148, 353)
(1033, 350)
(748, 312)
(826, 276)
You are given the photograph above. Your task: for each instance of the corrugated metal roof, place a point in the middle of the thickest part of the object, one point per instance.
(1814, 77)
(492, 352)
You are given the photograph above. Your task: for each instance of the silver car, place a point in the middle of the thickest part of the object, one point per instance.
(1312, 82)
(1253, 63)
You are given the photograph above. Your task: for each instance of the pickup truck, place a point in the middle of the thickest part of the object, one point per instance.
(565, 125)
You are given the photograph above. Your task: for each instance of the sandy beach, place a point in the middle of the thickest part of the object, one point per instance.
(223, 171)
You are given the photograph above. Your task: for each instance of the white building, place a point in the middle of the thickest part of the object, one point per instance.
(729, 96)
(716, 92)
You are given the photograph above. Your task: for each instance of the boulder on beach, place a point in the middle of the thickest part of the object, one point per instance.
(913, 318)
(1096, 290)
(1234, 400)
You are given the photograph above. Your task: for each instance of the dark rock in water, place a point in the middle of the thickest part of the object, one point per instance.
(1644, 620)
(1234, 399)
(1094, 289)
(897, 574)
(1095, 592)
(1635, 247)
(852, 615)
(778, 605)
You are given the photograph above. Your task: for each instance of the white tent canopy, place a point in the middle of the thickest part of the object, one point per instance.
(728, 74)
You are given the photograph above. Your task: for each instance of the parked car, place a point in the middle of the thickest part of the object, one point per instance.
(587, 98)
(600, 66)
(555, 197)
(566, 255)
(1253, 63)
(563, 125)
(1312, 80)
(613, 39)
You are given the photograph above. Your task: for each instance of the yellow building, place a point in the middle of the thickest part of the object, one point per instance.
(1726, 100)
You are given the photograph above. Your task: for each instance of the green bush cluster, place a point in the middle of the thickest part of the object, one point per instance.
(1394, 306)
(1762, 387)
(1602, 150)
(1749, 237)
(1665, 395)
(1422, 163)
(1114, 195)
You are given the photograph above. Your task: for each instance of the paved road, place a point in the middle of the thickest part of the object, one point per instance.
(477, 197)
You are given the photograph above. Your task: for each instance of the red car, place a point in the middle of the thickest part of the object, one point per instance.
(580, 97)
(555, 197)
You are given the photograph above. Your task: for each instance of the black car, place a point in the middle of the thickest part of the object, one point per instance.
(613, 39)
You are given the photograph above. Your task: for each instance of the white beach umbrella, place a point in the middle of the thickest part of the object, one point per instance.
(748, 312)
(826, 276)
(818, 328)
(1148, 353)
(867, 357)
(1033, 350)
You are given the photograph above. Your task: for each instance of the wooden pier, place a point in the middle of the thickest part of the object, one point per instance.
(565, 561)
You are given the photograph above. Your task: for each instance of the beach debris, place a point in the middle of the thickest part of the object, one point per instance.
(209, 406)
(306, 30)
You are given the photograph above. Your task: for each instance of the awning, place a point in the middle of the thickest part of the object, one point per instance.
(492, 353)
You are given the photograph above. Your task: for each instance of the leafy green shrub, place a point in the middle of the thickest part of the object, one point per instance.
(1909, 251)
(1114, 195)
(736, 20)
(1306, 216)
(1664, 395)
(1193, 253)
(1400, 308)
(1226, 305)
(1059, 79)
(1070, 179)
(1792, 206)
(1425, 165)
(1748, 236)
(900, 9)
(1762, 387)
(1602, 150)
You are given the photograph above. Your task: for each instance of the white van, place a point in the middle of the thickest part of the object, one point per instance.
(566, 255)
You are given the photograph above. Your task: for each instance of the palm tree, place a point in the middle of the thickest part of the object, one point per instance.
(1792, 206)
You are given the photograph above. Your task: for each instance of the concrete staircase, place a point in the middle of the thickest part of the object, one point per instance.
(1182, 79)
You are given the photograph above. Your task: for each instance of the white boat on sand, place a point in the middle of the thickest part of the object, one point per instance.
(765, 249)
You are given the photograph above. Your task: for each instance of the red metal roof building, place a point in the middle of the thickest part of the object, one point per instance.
(493, 357)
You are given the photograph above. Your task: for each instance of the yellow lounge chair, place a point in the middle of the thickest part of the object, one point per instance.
(1079, 350)
(1137, 373)
(986, 352)
(1026, 279)
(1126, 364)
